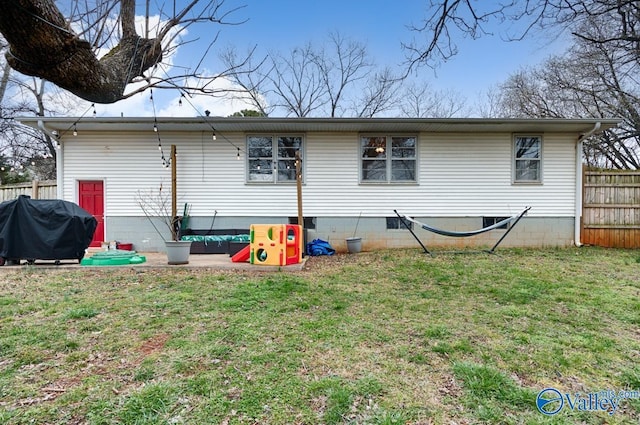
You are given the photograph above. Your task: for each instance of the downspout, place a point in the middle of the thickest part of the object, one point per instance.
(59, 157)
(579, 183)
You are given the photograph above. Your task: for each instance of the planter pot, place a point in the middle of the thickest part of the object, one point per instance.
(178, 252)
(354, 245)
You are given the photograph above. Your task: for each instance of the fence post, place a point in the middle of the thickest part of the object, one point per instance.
(34, 189)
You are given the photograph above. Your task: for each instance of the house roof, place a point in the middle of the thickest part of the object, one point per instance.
(265, 124)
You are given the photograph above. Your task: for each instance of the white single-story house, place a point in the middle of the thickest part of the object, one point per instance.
(455, 174)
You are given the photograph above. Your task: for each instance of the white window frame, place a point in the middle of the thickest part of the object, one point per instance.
(275, 158)
(388, 158)
(515, 159)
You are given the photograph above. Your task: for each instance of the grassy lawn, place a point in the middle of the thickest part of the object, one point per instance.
(389, 337)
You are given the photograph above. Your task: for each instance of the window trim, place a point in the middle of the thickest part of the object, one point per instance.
(274, 158)
(389, 159)
(514, 179)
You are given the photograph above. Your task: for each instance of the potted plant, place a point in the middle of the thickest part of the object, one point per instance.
(156, 207)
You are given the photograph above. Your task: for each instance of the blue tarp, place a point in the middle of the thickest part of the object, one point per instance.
(319, 247)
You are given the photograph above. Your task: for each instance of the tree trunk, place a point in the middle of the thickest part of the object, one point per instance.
(4, 80)
(42, 44)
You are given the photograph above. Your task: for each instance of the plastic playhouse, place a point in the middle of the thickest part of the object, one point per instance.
(272, 245)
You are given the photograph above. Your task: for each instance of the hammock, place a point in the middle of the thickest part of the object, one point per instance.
(513, 219)
(467, 233)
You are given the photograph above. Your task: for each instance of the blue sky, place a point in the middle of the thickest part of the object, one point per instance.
(380, 24)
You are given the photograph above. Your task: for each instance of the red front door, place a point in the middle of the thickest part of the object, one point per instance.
(91, 198)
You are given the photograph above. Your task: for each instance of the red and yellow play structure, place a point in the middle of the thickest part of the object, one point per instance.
(273, 245)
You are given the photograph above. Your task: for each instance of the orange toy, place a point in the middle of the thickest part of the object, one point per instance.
(275, 244)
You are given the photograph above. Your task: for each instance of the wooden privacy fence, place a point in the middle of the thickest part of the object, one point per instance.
(611, 209)
(46, 189)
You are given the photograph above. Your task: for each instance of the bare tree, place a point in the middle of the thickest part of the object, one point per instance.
(297, 83)
(63, 48)
(447, 19)
(252, 80)
(341, 66)
(590, 80)
(335, 79)
(422, 101)
(489, 105)
(538, 94)
(526, 94)
(378, 95)
(24, 149)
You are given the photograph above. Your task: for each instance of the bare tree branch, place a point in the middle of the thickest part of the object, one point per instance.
(422, 101)
(453, 19)
(340, 66)
(590, 80)
(252, 79)
(379, 95)
(43, 43)
(296, 82)
(333, 79)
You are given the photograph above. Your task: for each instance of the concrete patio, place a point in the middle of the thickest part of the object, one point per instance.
(156, 260)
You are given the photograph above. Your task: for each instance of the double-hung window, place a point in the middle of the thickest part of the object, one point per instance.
(272, 158)
(527, 159)
(388, 159)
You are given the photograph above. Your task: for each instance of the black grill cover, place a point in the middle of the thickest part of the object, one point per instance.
(45, 229)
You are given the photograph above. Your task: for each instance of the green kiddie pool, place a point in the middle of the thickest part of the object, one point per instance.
(115, 257)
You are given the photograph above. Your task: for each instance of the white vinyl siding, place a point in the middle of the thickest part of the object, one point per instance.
(460, 175)
(470, 175)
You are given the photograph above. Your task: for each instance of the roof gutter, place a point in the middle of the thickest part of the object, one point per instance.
(53, 134)
(579, 183)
